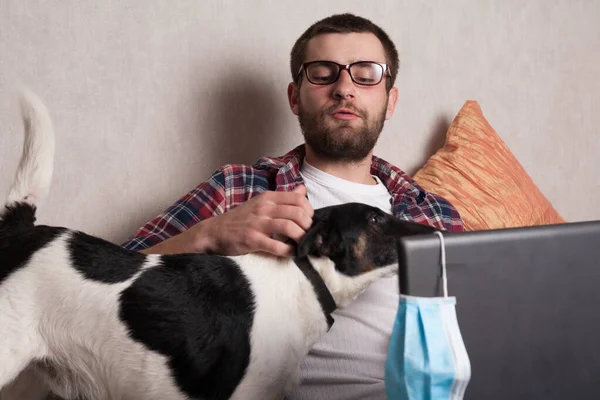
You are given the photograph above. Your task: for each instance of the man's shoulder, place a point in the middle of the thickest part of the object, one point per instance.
(437, 209)
(398, 182)
(263, 172)
(293, 156)
(415, 202)
(291, 159)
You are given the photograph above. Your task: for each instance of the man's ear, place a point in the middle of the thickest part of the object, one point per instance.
(391, 104)
(293, 93)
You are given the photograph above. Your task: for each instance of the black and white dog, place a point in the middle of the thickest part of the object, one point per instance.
(85, 318)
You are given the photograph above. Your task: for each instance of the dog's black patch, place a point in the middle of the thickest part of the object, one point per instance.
(18, 215)
(197, 310)
(19, 239)
(103, 261)
(18, 245)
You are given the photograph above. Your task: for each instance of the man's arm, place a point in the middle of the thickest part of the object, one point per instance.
(197, 223)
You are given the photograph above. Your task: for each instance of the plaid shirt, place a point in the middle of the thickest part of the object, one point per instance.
(234, 184)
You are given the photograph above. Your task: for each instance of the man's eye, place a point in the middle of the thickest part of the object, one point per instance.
(321, 72)
(364, 80)
(321, 78)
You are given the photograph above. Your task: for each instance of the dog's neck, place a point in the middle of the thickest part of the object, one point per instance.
(344, 288)
(328, 304)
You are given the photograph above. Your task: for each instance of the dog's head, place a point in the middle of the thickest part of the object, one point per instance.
(352, 245)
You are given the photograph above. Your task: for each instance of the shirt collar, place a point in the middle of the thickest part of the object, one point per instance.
(398, 183)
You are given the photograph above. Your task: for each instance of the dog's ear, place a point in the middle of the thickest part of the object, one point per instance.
(320, 241)
(311, 241)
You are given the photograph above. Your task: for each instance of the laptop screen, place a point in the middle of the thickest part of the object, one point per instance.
(528, 306)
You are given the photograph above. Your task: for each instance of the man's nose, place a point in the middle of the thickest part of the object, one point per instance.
(344, 86)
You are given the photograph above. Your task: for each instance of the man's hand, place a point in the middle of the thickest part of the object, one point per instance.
(247, 228)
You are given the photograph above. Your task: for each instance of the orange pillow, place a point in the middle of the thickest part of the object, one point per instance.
(479, 175)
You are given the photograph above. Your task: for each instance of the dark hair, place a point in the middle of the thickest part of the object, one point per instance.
(344, 23)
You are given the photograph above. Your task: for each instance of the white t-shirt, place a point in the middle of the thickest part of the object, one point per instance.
(349, 361)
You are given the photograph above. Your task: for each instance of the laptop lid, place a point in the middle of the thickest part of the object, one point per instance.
(528, 306)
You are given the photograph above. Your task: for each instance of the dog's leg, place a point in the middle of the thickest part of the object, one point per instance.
(14, 360)
(20, 342)
(27, 386)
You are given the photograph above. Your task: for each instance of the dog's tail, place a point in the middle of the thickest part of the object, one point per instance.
(34, 173)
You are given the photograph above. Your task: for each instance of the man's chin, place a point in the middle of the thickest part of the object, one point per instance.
(342, 127)
(340, 154)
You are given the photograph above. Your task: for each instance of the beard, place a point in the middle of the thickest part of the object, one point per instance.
(343, 142)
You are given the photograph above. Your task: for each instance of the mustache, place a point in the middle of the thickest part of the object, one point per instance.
(348, 106)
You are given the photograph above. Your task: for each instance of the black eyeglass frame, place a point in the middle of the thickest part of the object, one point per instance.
(345, 67)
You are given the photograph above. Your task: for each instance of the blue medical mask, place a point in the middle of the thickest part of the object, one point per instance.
(427, 359)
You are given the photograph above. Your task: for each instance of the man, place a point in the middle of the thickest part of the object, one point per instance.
(343, 70)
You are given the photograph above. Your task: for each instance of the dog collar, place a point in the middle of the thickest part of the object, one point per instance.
(325, 298)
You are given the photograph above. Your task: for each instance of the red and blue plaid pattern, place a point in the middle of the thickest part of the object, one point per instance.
(234, 184)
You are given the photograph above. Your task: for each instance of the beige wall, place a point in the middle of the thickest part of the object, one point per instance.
(150, 97)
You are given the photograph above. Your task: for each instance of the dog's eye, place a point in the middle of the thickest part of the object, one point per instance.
(375, 219)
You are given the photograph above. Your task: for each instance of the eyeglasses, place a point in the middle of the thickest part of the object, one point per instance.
(365, 73)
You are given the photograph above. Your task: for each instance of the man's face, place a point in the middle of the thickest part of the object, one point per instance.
(342, 121)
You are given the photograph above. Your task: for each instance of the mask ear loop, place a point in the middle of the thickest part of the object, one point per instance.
(444, 277)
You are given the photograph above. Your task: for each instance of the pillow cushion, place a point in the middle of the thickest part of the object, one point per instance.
(478, 174)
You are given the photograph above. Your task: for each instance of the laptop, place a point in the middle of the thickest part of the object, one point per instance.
(528, 306)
